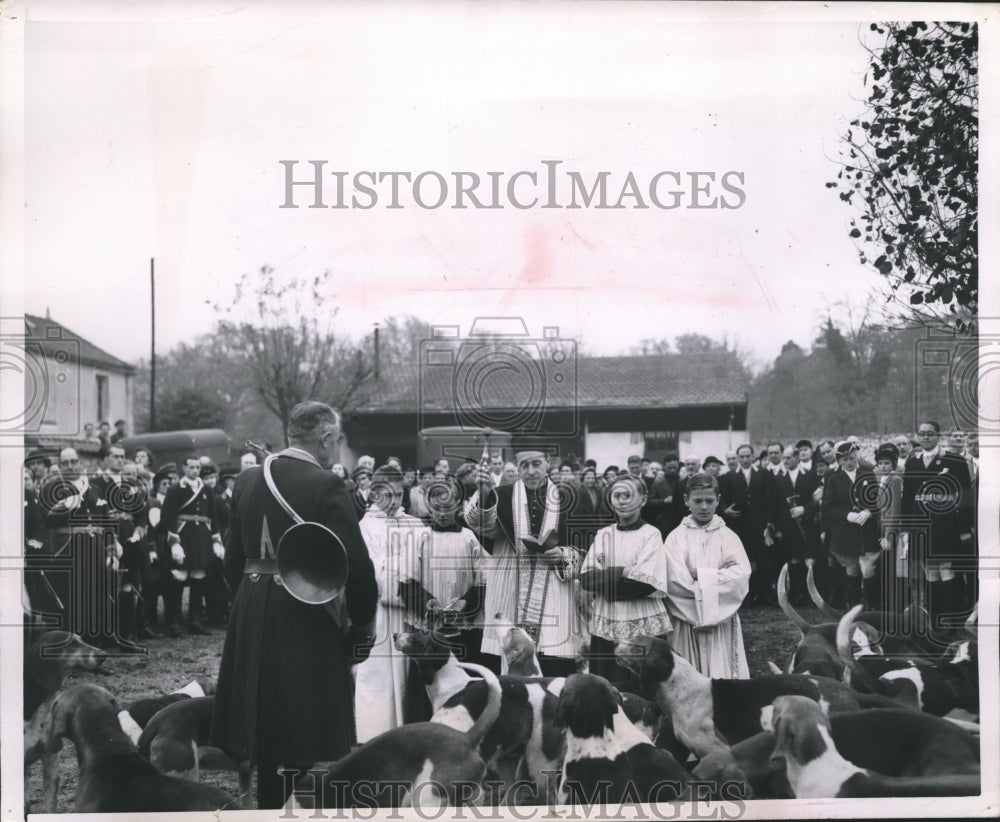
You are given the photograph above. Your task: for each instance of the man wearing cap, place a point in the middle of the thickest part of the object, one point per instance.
(284, 695)
(850, 515)
(805, 451)
(939, 510)
(529, 578)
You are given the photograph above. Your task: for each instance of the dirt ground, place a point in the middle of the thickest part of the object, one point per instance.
(172, 663)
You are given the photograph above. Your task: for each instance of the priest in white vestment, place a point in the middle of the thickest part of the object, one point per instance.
(531, 572)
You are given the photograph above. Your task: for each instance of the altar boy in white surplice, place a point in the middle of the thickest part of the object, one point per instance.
(530, 573)
(709, 575)
(392, 537)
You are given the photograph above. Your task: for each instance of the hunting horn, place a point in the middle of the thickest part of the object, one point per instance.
(311, 559)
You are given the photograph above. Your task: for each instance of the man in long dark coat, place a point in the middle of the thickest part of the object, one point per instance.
(743, 506)
(791, 509)
(851, 516)
(285, 696)
(939, 514)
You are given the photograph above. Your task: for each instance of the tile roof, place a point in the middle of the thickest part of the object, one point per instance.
(50, 337)
(660, 381)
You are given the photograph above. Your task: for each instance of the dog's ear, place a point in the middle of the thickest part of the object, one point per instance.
(60, 719)
(564, 707)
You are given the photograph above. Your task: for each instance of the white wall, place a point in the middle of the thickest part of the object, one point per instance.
(611, 448)
(710, 443)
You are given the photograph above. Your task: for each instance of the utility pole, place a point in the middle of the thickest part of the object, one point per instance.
(152, 346)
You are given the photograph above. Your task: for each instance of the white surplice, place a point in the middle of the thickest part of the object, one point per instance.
(380, 685)
(709, 575)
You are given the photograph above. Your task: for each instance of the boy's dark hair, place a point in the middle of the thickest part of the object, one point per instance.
(614, 468)
(194, 457)
(387, 473)
(935, 425)
(671, 457)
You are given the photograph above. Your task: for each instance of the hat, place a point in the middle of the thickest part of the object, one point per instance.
(360, 471)
(803, 444)
(887, 451)
(818, 457)
(844, 447)
(709, 460)
(208, 468)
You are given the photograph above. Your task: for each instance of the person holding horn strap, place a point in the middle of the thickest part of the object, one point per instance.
(285, 693)
(530, 575)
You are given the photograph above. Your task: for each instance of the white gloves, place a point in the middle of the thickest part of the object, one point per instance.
(219, 550)
(177, 553)
(859, 517)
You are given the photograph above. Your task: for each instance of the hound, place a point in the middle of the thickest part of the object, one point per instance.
(176, 739)
(712, 714)
(805, 749)
(525, 742)
(113, 776)
(427, 763)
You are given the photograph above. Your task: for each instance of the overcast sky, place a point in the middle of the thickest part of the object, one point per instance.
(162, 138)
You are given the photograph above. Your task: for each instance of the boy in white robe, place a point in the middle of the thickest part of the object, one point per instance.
(709, 576)
(392, 537)
(626, 569)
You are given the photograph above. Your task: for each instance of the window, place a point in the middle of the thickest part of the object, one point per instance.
(102, 398)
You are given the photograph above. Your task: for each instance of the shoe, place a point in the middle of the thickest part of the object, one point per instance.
(197, 629)
(148, 633)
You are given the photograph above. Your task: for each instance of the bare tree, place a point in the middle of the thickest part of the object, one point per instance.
(292, 354)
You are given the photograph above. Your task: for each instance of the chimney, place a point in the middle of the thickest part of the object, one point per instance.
(376, 351)
(48, 316)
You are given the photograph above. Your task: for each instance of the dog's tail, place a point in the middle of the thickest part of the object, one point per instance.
(858, 677)
(491, 712)
(786, 606)
(817, 597)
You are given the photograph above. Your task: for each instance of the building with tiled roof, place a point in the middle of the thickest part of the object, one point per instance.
(601, 408)
(68, 382)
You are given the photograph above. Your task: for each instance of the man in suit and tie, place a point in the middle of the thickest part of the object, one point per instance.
(744, 509)
(939, 514)
(791, 507)
(851, 517)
